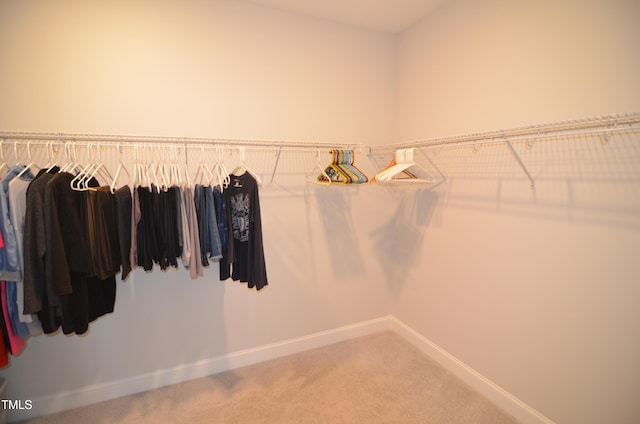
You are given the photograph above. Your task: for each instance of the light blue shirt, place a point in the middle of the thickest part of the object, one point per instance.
(10, 266)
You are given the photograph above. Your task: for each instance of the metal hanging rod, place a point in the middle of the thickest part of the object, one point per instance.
(599, 124)
(162, 142)
(606, 124)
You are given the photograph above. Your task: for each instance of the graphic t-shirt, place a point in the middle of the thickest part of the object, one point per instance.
(245, 252)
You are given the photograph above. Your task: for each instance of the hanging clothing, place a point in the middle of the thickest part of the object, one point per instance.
(9, 264)
(177, 198)
(167, 227)
(210, 247)
(221, 218)
(245, 253)
(17, 196)
(13, 265)
(101, 230)
(65, 229)
(214, 247)
(185, 229)
(135, 220)
(38, 294)
(191, 257)
(123, 205)
(100, 226)
(72, 268)
(16, 343)
(68, 261)
(4, 350)
(175, 224)
(146, 237)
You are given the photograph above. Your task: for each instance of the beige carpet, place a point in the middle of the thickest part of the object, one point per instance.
(378, 378)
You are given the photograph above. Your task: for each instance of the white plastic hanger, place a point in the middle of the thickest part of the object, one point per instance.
(70, 160)
(241, 168)
(146, 180)
(404, 165)
(203, 176)
(151, 166)
(313, 177)
(50, 156)
(77, 183)
(15, 152)
(161, 168)
(219, 171)
(121, 167)
(100, 169)
(186, 167)
(31, 163)
(4, 163)
(137, 168)
(175, 176)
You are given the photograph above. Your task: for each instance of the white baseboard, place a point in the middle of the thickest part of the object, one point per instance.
(100, 392)
(497, 395)
(110, 390)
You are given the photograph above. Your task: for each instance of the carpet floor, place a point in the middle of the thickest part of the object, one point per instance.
(379, 378)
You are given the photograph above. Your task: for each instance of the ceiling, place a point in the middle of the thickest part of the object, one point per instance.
(390, 16)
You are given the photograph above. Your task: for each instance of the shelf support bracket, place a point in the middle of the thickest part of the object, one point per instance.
(275, 166)
(444, 178)
(519, 159)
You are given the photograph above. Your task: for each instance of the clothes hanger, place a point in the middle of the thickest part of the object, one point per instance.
(67, 154)
(50, 156)
(164, 177)
(112, 186)
(405, 166)
(31, 163)
(175, 167)
(323, 177)
(339, 162)
(152, 167)
(82, 180)
(346, 163)
(392, 163)
(174, 170)
(15, 153)
(4, 163)
(161, 168)
(341, 170)
(203, 176)
(142, 173)
(186, 167)
(146, 168)
(77, 183)
(241, 168)
(104, 170)
(98, 169)
(137, 168)
(219, 171)
(186, 174)
(333, 173)
(52, 159)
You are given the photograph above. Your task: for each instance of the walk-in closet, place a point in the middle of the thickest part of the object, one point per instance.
(346, 211)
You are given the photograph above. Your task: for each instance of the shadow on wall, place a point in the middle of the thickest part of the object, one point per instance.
(344, 249)
(582, 179)
(603, 203)
(401, 237)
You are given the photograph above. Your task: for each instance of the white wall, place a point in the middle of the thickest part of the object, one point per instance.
(211, 69)
(476, 66)
(196, 68)
(536, 290)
